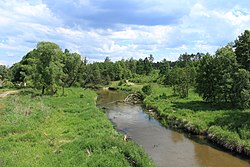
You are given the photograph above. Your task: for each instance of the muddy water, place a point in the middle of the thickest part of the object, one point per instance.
(166, 147)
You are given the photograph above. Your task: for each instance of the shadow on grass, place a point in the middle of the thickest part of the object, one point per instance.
(236, 121)
(202, 106)
(26, 92)
(31, 92)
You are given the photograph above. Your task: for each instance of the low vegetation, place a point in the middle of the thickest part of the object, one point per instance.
(220, 123)
(62, 131)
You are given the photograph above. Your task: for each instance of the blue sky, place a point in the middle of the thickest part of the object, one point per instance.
(120, 28)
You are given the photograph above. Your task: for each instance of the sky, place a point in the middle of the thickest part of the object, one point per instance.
(121, 29)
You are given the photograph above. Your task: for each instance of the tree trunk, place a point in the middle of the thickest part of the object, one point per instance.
(43, 88)
(51, 90)
(75, 77)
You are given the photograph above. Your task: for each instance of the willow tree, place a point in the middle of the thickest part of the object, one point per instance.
(49, 66)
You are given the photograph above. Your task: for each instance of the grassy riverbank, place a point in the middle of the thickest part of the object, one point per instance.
(62, 131)
(221, 124)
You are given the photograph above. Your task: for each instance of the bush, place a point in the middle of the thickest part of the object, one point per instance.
(147, 89)
(8, 84)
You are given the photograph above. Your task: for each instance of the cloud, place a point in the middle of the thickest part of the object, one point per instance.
(23, 24)
(120, 29)
(109, 13)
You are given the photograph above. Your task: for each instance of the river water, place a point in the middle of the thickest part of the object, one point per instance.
(166, 147)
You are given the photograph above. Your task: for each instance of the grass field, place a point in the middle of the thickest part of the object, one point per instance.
(62, 131)
(222, 124)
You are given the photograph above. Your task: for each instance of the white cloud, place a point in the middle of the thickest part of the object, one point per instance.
(201, 26)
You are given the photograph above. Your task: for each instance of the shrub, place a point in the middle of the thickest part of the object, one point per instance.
(147, 89)
(8, 84)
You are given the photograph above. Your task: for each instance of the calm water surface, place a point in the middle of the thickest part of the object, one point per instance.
(166, 147)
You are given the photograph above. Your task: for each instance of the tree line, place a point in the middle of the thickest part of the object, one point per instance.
(48, 68)
(219, 78)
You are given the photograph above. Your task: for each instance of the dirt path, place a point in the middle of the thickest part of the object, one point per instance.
(5, 94)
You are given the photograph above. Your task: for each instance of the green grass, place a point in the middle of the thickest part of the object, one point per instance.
(126, 86)
(151, 77)
(62, 131)
(3, 90)
(223, 123)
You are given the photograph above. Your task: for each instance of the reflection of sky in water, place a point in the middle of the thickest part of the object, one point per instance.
(166, 147)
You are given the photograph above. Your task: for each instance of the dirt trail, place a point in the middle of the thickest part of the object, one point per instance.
(5, 94)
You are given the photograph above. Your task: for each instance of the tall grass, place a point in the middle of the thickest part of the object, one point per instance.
(62, 131)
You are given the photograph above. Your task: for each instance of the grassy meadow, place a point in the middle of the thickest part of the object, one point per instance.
(62, 131)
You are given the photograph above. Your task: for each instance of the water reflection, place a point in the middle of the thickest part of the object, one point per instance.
(177, 137)
(208, 156)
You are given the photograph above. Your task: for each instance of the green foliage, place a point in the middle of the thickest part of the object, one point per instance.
(72, 68)
(186, 59)
(65, 130)
(164, 67)
(5, 73)
(49, 66)
(181, 80)
(7, 84)
(241, 89)
(242, 50)
(147, 89)
(152, 77)
(219, 79)
(93, 74)
(144, 66)
(164, 72)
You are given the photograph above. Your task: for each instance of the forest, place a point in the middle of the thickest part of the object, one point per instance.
(200, 93)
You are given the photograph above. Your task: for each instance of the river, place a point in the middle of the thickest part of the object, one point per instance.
(166, 147)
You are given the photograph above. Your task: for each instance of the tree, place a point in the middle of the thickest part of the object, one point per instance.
(140, 67)
(5, 72)
(131, 65)
(205, 81)
(215, 78)
(71, 69)
(164, 72)
(49, 67)
(24, 72)
(107, 71)
(5, 75)
(242, 50)
(107, 60)
(181, 80)
(151, 58)
(241, 89)
(93, 74)
(118, 71)
(147, 65)
(164, 67)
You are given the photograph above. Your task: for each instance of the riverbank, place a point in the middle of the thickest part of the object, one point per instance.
(62, 130)
(222, 125)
